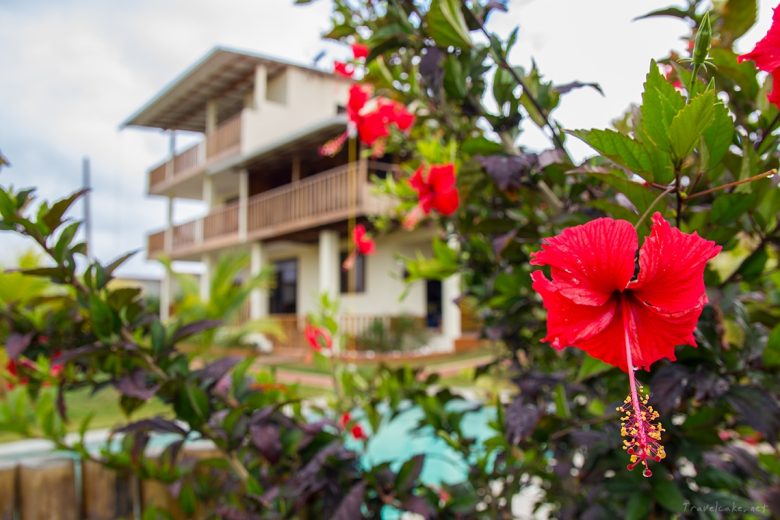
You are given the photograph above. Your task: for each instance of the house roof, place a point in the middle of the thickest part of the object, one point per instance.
(224, 74)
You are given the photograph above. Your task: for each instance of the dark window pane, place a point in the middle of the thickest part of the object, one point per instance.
(359, 273)
(283, 297)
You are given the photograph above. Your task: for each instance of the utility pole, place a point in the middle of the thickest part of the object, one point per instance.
(87, 213)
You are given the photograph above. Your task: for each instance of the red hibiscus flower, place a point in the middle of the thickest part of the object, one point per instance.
(358, 433)
(345, 419)
(436, 190)
(318, 337)
(345, 70)
(360, 51)
(364, 245)
(594, 303)
(766, 55)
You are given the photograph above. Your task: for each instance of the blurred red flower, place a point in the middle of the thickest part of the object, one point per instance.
(436, 190)
(360, 51)
(766, 55)
(317, 337)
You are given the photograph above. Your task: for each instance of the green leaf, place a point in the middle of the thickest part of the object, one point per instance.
(480, 146)
(728, 207)
(674, 12)
(590, 367)
(454, 79)
(638, 506)
(640, 195)
(620, 149)
(753, 265)
(718, 136)
(666, 493)
(561, 403)
(689, 124)
(409, 472)
(737, 16)
(446, 24)
(53, 217)
(103, 318)
(660, 103)
(772, 350)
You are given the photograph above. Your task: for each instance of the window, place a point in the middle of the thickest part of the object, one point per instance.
(358, 274)
(283, 297)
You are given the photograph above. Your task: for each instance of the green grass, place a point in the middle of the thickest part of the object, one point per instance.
(105, 410)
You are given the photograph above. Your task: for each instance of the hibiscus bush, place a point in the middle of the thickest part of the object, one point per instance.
(633, 293)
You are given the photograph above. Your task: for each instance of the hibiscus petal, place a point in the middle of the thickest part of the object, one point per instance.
(446, 202)
(658, 332)
(592, 261)
(671, 268)
(766, 53)
(569, 324)
(441, 177)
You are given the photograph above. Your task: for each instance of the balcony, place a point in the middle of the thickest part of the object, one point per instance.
(321, 199)
(224, 142)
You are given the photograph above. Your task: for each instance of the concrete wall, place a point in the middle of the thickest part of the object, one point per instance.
(310, 99)
(384, 283)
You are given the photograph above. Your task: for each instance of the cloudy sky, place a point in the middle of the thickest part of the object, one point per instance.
(73, 70)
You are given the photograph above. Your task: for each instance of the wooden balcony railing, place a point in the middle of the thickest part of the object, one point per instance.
(306, 201)
(155, 243)
(184, 234)
(221, 222)
(223, 142)
(225, 138)
(317, 200)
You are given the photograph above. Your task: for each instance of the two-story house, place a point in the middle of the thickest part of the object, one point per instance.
(267, 189)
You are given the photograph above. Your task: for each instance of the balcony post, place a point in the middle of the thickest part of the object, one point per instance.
(208, 192)
(169, 165)
(261, 83)
(205, 278)
(168, 243)
(329, 262)
(258, 299)
(243, 204)
(450, 319)
(296, 168)
(211, 116)
(166, 296)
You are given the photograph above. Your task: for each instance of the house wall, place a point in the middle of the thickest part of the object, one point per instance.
(310, 98)
(384, 283)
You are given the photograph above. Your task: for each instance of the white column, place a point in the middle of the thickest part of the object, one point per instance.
(329, 262)
(208, 192)
(168, 247)
(166, 296)
(258, 299)
(171, 154)
(205, 278)
(211, 116)
(450, 320)
(261, 83)
(243, 204)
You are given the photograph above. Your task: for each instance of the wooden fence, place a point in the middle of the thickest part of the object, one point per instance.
(58, 487)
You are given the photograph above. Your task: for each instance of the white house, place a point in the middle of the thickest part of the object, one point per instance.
(268, 190)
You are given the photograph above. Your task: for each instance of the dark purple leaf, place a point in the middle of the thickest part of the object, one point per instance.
(409, 473)
(520, 420)
(568, 87)
(16, 343)
(769, 497)
(137, 385)
(430, 68)
(708, 385)
(588, 438)
(110, 268)
(757, 408)
(153, 424)
(501, 241)
(509, 171)
(70, 355)
(196, 327)
(548, 157)
(351, 505)
(668, 386)
(267, 441)
(216, 370)
(419, 505)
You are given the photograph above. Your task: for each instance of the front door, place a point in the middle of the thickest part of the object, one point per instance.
(283, 298)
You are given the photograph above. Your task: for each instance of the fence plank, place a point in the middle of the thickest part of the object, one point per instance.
(47, 490)
(106, 494)
(7, 491)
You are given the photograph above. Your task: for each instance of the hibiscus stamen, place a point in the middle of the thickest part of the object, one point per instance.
(638, 423)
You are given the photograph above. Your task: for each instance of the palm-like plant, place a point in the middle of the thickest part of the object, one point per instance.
(228, 295)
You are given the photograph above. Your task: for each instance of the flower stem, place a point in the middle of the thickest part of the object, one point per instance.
(667, 191)
(760, 176)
